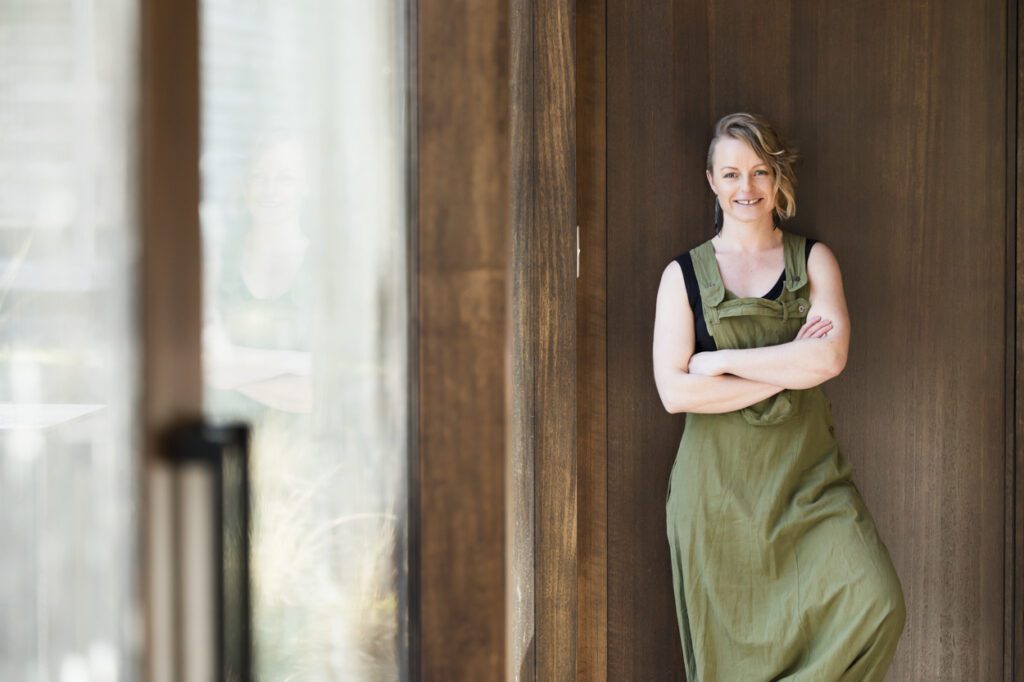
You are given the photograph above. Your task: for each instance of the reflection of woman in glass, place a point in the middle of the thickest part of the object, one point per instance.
(274, 246)
(257, 350)
(777, 567)
(257, 332)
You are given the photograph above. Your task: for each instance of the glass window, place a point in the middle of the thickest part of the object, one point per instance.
(304, 205)
(68, 475)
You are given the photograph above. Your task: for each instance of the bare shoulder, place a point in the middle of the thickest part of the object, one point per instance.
(826, 292)
(673, 321)
(822, 263)
(672, 276)
(821, 254)
(672, 293)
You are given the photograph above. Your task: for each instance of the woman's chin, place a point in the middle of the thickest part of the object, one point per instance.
(745, 217)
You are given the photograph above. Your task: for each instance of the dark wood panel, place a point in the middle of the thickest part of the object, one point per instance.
(906, 183)
(656, 117)
(462, 233)
(900, 111)
(591, 364)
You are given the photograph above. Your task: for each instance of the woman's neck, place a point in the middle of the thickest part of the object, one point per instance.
(747, 237)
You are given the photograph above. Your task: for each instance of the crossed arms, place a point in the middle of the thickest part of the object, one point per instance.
(727, 380)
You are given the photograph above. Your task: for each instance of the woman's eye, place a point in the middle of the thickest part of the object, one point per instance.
(730, 174)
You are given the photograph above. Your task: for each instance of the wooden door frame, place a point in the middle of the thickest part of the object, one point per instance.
(170, 318)
(460, 273)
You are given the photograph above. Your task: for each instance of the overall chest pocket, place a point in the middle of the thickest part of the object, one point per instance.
(752, 323)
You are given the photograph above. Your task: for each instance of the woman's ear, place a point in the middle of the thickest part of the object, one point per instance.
(710, 180)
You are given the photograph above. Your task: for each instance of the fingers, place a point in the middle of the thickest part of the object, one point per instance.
(814, 328)
(822, 331)
(810, 321)
(818, 330)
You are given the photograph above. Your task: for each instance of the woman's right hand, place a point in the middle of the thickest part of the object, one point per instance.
(814, 328)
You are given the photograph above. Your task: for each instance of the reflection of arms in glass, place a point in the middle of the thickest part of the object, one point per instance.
(277, 378)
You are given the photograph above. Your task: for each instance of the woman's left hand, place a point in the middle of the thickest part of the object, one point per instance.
(707, 363)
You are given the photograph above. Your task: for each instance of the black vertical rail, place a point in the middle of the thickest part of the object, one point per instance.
(224, 450)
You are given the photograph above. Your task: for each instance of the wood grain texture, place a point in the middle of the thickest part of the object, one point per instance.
(591, 361)
(543, 601)
(521, 515)
(462, 177)
(899, 109)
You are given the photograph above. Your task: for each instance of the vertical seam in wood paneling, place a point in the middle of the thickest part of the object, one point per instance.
(1015, 603)
(592, 584)
(1010, 348)
(604, 332)
(1013, 532)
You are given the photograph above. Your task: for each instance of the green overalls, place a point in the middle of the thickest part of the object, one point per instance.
(777, 568)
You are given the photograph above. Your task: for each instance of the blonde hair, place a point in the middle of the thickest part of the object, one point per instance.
(766, 142)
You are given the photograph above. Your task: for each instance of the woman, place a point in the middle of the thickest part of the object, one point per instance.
(777, 568)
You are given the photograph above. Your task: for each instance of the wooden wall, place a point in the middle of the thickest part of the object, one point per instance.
(907, 116)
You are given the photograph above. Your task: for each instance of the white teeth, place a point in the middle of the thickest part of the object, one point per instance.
(749, 202)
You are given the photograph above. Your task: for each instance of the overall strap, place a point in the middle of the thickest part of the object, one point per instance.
(712, 289)
(796, 265)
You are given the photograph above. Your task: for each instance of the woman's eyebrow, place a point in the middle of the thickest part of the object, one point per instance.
(735, 168)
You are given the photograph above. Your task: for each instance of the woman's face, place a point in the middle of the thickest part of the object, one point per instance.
(742, 181)
(276, 185)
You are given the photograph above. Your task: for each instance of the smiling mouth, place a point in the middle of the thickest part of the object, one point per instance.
(747, 202)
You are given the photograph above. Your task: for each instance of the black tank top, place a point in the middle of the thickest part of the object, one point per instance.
(704, 340)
